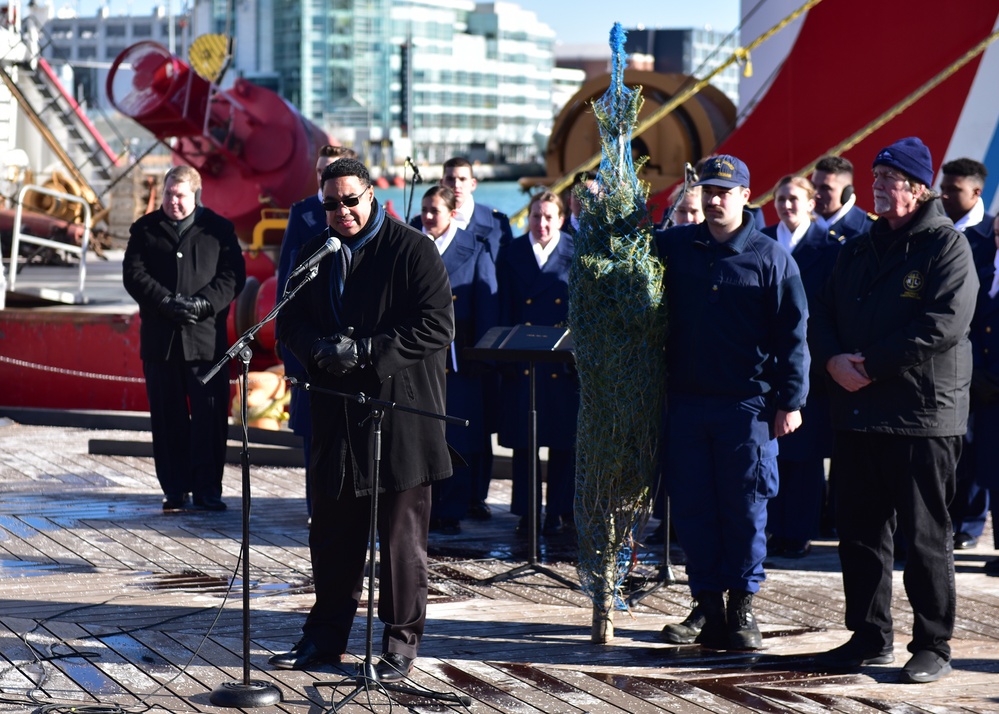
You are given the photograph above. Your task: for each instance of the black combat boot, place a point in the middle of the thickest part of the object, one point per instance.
(714, 632)
(686, 632)
(743, 632)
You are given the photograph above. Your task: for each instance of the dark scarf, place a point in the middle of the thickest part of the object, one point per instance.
(341, 267)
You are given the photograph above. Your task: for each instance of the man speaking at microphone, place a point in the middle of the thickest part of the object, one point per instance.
(376, 319)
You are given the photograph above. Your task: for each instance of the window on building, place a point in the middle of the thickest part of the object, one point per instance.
(142, 29)
(114, 31)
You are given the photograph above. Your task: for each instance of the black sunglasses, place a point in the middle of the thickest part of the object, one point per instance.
(348, 202)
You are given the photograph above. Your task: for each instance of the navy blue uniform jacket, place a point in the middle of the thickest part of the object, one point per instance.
(306, 219)
(815, 255)
(476, 309)
(489, 226)
(854, 223)
(535, 296)
(737, 314)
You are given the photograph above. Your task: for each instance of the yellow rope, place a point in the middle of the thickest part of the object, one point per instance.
(740, 55)
(893, 112)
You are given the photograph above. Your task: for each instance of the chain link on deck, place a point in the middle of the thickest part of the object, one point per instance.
(78, 373)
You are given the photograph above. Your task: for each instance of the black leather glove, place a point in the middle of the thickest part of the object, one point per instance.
(176, 310)
(199, 307)
(341, 354)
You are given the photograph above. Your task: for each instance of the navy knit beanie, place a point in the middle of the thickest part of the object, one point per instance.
(911, 157)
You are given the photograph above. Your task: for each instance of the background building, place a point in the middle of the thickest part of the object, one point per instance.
(396, 78)
(692, 51)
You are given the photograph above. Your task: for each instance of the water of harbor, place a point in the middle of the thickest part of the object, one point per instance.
(505, 196)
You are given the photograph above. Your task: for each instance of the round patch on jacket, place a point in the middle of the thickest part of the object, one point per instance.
(913, 283)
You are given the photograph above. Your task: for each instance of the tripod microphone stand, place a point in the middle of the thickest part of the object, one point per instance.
(248, 693)
(366, 679)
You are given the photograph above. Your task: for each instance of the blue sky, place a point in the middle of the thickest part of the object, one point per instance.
(575, 21)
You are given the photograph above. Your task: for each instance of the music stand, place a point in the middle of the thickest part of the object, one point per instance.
(531, 344)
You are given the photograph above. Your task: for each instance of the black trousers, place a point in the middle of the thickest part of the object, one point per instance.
(884, 479)
(189, 426)
(338, 541)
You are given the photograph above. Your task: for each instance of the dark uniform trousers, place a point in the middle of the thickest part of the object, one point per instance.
(561, 487)
(338, 542)
(720, 470)
(873, 491)
(189, 422)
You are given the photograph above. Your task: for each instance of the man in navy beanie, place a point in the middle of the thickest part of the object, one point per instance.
(891, 329)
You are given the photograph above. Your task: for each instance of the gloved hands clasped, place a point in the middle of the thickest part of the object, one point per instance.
(341, 354)
(183, 310)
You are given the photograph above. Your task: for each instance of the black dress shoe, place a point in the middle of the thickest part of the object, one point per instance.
(449, 526)
(796, 548)
(553, 526)
(393, 667)
(480, 511)
(657, 537)
(925, 666)
(964, 541)
(175, 502)
(209, 504)
(523, 525)
(854, 655)
(302, 656)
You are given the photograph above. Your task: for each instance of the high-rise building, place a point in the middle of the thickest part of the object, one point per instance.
(393, 78)
(691, 51)
(90, 44)
(428, 78)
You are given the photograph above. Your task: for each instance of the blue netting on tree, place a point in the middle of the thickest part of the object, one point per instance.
(618, 320)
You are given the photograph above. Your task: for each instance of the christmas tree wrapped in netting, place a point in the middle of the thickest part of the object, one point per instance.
(617, 315)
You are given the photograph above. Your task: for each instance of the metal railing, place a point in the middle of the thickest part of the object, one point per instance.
(17, 237)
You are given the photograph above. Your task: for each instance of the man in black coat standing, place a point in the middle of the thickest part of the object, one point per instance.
(891, 328)
(183, 265)
(377, 319)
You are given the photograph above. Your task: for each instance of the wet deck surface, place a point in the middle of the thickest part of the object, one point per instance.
(106, 600)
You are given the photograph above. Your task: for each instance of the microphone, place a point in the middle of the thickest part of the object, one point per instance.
(416, 171)
(332, 245)
(688, 172)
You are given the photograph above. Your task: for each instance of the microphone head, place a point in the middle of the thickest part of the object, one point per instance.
(332, 243)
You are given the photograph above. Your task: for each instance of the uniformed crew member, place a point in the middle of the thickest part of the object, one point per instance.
(737, 367)
(533, 276)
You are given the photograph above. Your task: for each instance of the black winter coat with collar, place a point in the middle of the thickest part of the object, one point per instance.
(205, 261)
(908, 313)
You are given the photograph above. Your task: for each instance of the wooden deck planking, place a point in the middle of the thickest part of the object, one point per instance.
(86, 550)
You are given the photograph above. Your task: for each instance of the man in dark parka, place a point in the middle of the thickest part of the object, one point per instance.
(891, 328)
(377, 319)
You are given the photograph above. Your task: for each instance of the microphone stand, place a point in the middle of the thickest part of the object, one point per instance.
(247, 693)
(416, 179)
(688, 180)
(366, 679)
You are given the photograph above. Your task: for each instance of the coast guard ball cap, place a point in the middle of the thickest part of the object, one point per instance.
(725, 171)
(911, 157)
